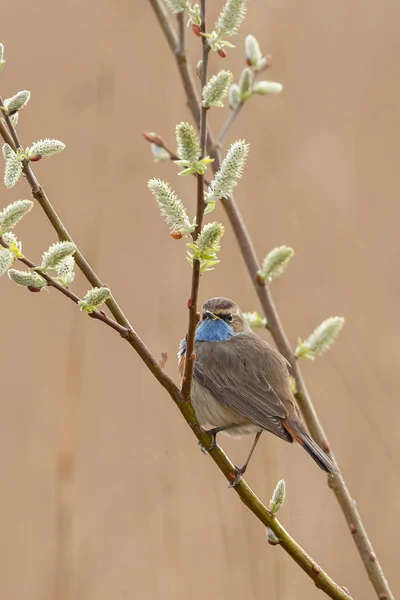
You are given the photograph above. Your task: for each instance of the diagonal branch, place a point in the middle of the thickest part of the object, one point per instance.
(337, 482)
(320, 578)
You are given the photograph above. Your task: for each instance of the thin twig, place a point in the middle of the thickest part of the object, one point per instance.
(228, 124)
(10, 136)
(337, 483)
(194, 293)
(320, 578)
(181, 32)
(234, 114)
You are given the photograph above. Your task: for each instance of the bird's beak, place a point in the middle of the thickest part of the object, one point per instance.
(209, 315)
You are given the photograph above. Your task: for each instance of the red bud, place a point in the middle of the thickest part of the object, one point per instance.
(198, 316)
(316, 569)
(35, 157)
(346, 590)
(33, 288)
(176, 235)
(222, 53)
(190, 303)
(196, 30)
(154, 138)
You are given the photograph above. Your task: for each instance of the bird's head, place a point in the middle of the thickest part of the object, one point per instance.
(225, 311)
(220, 320)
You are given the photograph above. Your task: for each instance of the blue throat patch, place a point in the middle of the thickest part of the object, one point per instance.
(209, 331)
(213, 331)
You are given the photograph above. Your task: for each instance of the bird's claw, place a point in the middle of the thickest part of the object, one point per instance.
(236, 481)
(211, 447)
(213, 434)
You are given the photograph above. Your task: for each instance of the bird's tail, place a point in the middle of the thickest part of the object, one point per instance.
(299, 435)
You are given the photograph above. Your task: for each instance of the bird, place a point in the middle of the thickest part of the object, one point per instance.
(241, 384)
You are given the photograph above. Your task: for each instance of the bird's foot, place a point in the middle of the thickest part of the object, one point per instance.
(239, 472)
(213, 433)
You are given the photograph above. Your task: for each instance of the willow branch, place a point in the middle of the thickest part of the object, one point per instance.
(336, 482)
(10, 136)
(321, 579)
(194, 293)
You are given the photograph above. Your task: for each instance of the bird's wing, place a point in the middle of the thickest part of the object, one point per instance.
(247, 375)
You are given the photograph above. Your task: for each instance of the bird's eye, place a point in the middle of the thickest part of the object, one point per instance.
(229, 318)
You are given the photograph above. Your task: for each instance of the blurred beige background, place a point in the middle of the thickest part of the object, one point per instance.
(135, 510)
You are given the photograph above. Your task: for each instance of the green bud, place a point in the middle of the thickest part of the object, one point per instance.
(206, 246)
(17, 102)
(275, 263)
(262, 88)
(189, 151)
(160, 154)
(177, 6)
(94, 298)
(231, 170)
(56, 254)
(199, 69)
(27, 278)
(234, 96)
(6, 259)
(246, 84)
(187, 142)
(7, 151)
(44, 148)
(231, 17)
(254, 56)
(255, 320)
(13, 167)
(278, 497)
(321, 338)
(216, 89)
(171, 207)
(272, 539)
(13, 213)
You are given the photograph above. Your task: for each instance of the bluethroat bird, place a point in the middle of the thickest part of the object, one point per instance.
(241, 384)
